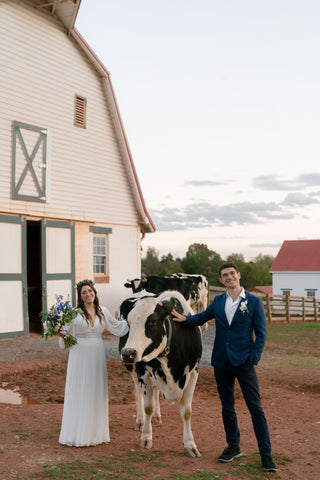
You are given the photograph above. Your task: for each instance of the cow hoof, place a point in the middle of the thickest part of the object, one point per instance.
(156, 420)
(138, 426)
(146, 444)
(192, 452)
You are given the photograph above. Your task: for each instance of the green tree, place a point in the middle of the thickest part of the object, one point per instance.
(169, 265)
(236, 258)
(200, 259)
(150, 265)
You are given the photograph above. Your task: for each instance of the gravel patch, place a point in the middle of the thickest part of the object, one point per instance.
(34, 346)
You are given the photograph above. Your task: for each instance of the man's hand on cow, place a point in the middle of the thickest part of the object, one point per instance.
(177, 316)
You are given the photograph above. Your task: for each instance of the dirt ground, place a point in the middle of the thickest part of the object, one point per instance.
(290, 397)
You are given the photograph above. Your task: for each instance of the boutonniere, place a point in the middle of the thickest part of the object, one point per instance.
(244, 307)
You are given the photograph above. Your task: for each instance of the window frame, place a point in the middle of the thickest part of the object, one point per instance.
(286, 292)
(104, 233)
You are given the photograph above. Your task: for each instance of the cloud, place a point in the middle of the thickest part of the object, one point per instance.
(265, 245)
(203, 183)
(309, 179)
(272, 182)
(299, 199)
(275, 183)
(204, 214)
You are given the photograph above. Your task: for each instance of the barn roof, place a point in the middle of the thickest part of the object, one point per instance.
(262, 289)
(298, 256)
(66, 11)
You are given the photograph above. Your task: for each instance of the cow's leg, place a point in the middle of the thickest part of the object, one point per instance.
(156, 416)
(146, 434)
(139, 403)
(190, 447)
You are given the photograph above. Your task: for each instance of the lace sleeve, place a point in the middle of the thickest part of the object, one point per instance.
(116, 327)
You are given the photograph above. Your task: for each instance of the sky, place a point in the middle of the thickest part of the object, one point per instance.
(220, 101)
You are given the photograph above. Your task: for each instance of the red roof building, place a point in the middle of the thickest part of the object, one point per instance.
(298, 256)
(296, 269)
(262, 289)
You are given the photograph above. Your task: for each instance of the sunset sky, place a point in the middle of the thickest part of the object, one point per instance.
(220, 101)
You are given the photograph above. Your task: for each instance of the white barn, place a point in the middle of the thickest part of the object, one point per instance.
(71, 206)
(296, 269)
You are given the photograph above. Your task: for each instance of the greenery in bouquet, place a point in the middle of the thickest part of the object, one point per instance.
(55, 321)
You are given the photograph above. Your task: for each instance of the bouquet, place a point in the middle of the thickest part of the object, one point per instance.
(55, 320)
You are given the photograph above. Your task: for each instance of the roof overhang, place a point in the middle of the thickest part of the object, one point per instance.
(65, 10)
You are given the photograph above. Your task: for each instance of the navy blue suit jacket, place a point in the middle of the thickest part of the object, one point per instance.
(235, 341)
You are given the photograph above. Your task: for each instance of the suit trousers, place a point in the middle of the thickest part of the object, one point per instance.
(247, 378)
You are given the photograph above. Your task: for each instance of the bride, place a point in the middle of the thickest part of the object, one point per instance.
(85, 418)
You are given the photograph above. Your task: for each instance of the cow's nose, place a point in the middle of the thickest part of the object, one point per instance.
(128, 355)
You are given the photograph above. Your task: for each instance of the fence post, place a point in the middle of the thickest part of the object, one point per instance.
(268, 308)
(288, 308)
(303, 309)
(315, 310)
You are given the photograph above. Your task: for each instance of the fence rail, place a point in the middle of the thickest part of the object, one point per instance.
(284, 308)
(289, 309)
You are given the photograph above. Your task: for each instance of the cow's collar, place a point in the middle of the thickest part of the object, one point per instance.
(166, 350)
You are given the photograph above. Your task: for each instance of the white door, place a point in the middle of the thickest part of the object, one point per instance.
(58, 262)
(13, 277)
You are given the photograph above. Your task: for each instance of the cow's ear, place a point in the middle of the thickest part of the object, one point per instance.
(176, 305)
(164, 308)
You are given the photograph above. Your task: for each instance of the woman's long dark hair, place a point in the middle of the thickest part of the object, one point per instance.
(96, 303)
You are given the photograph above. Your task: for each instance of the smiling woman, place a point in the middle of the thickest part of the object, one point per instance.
(85, 419)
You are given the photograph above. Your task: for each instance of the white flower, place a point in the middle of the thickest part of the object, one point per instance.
(243, 307)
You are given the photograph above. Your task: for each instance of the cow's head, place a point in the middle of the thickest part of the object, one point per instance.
(135, 284)
(147, 337)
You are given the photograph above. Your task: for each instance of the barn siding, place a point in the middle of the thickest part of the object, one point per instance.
(296, 282)
(86, 179)
(123, 264)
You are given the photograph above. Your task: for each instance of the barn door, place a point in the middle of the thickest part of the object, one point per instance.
(13, 277)
(58, 262)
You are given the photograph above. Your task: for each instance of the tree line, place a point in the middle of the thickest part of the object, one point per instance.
(201, 260)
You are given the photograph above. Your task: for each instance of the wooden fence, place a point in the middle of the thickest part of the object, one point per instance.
(289, 309)
(284, 308)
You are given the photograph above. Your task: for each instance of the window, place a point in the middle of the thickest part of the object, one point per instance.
(100, 264)
(311, 293)
(80, 111)
(286, 292)
(99, 254)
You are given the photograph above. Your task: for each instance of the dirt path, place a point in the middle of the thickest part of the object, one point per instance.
(291, 400)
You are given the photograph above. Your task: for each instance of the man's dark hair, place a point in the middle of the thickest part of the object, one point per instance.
(228, 265)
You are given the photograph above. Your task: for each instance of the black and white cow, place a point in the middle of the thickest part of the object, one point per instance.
(193, 287)
(164, 356)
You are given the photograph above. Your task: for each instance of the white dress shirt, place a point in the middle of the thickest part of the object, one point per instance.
(231, 306)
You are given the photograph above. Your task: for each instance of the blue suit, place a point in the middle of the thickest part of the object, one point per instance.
(234, 356)
(235, 341)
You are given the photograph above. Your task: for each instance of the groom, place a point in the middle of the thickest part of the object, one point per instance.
(238, 315)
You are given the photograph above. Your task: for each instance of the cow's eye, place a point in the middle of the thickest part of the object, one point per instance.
(151, 322)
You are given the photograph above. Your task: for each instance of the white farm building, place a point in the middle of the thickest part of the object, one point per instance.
(296, 269)
(71, 206)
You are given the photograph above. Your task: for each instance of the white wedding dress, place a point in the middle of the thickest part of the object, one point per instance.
(85, 418)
